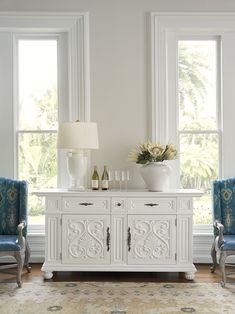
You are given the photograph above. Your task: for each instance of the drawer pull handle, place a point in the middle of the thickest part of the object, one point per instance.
(129, 239)
(108, 239)
(151, 204)
(119, 204)
(86, 204)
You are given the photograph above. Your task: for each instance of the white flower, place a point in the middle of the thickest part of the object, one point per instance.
(153, 152)
(156, 151)
(133, 156)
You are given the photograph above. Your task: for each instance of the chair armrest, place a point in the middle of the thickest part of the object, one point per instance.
(20, 228)
(220, 237)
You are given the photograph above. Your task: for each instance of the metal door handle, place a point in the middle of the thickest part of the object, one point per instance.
(129, 239)
(108, 239)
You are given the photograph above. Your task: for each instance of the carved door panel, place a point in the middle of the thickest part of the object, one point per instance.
(86, 239)
(151, 239)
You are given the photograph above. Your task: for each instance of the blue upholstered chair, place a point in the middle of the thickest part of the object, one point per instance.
(224, 223)
(13, 227)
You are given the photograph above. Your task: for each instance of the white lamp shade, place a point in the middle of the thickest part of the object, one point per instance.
(77, 135)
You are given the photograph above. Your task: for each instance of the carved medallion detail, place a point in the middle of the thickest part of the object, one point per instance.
(86, 239)
(151, 239)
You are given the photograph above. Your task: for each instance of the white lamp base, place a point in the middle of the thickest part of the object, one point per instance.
(77, 167)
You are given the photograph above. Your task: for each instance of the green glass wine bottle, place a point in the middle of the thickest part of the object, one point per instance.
(95, 179)
(105, 179)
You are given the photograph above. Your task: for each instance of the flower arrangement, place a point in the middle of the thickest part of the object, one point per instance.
(153, 152)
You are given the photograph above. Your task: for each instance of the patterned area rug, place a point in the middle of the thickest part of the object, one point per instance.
(116, 298)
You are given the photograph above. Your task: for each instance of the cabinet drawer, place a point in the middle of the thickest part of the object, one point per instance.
(119, 204)
(168, 204)
(74, 203)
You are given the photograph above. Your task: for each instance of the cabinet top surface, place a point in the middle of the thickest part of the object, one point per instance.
(118, 193)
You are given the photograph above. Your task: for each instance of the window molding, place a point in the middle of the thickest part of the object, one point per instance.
(72, 30)
(162, 28)
(76, 25)
(162, 25)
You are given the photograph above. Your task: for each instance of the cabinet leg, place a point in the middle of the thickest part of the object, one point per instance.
(189, 275)
(48, 274)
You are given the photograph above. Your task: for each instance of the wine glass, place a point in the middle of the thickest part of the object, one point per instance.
(117, 176)
(128, 178)
(111, 178)
(125, 177)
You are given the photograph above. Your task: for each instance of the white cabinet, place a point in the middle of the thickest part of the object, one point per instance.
(118, 231)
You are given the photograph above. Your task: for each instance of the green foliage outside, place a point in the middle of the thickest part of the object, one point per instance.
(37, 150)
(199, 160)
(202, 210)
(199, 150)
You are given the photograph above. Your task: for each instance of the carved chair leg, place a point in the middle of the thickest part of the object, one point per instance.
(213, 256)
(19, 256)
(222, 268)
(27, 256)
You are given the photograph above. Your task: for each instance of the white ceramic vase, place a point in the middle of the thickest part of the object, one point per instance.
(156, 175)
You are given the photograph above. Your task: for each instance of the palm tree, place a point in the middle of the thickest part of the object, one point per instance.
(193, 81)
(197, 170)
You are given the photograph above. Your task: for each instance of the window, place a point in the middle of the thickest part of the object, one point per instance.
(191, 59)
(198, 125)
(45, 79)
(37, 117)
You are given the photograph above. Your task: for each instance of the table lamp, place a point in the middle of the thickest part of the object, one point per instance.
(77, 137)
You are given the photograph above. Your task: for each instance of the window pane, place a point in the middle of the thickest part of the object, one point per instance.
(36, 207)
(199, 151)
(37, 84)
(202, 211)
(37, 159)
(199, 157)
(197, 84)
(198, 160)
(38, 166)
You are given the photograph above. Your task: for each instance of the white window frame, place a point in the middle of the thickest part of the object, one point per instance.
(18, 131)
(164, 29)
(217, 131)
(74, 101)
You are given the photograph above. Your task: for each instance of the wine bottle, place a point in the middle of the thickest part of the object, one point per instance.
(105, 179)
(95, 179)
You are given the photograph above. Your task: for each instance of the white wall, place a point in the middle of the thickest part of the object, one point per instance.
(119, 81)
(119, 75)
(6, 112)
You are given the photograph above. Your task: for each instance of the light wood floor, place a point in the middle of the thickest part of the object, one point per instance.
(203, 275)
